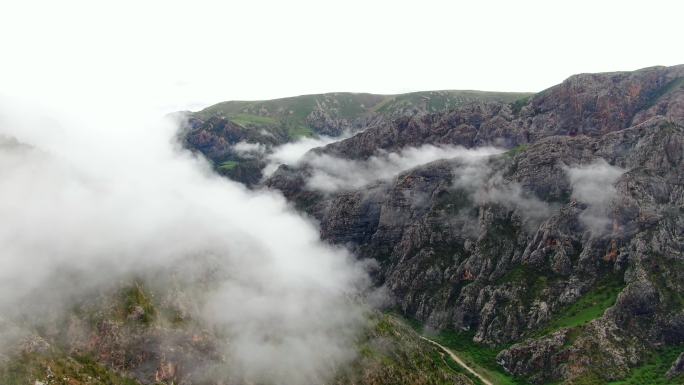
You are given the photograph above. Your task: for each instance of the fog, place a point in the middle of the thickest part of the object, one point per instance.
(594, 184)
(485, 184)
(293, 153)
(248, 149)
(330, 173)
(90, 197)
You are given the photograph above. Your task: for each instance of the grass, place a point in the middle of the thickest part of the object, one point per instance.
(297, 108)
(666, 281)
(248, 120)
(291, 113)
(653, 371)
(391, 352)
(517, 105)
(516, 150)
(299, 131)
(481, 358)
(532, 280)
(29, 368)
(135, 296)
(520, 273)
(455, 367)
(442, 100)
(228, 165)
(590, 306)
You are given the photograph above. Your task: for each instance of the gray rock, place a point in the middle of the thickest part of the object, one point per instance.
(504, 265)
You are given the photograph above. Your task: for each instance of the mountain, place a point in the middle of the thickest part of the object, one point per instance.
(564, 254)
(215, 130)
(327, 114)
(135, 335)
(539, 238)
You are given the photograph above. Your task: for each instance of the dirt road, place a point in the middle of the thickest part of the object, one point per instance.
(459, 361)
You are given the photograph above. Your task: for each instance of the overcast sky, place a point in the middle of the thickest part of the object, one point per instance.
(173, 55)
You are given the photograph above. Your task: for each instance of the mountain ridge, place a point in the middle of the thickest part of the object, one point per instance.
(215, 130)
(557, 258)
(475, 258)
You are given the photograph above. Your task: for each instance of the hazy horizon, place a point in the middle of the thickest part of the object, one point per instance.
(170, 56)
(324, 240)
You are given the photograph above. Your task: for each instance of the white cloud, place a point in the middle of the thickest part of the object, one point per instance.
(593, 184)
(249, 149)
(99, 197)
(486, 185)
(330, 174)
(293, 153)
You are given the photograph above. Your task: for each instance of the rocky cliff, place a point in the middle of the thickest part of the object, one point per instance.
(216, 130)
(566, 251)
(543, 235)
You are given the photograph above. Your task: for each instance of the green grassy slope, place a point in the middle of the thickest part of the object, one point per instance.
(391, 352)
(479, 357)
(279, 121)
(293, 111)
(590, 306)
(654, 370)
(57, 368)
(435, 101)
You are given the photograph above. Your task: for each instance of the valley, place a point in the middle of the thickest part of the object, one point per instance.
(504, 238)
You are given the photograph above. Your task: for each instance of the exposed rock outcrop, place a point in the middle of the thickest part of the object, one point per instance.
(509, 255)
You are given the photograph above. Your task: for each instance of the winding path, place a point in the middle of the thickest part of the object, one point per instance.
(459, 361)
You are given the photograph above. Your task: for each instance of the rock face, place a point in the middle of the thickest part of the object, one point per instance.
(570, 245)
(565, 253)
(587, 104)
(472, 125)
(540, 357)
(594, 104)
(216, 130)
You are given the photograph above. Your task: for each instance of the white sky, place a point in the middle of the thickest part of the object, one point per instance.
(175, 55)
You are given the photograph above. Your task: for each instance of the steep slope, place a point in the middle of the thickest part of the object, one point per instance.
(392, 353)
(587, 104)
(328, 114)
(559, 259)
(215, 130)
(136, 336)
(566, 252)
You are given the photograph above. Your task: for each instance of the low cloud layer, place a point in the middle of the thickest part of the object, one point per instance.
(93, 200)
(330, 174)
(471, 169)
(248, 149)
(594, 184)
(487, 185)
(293, 153)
